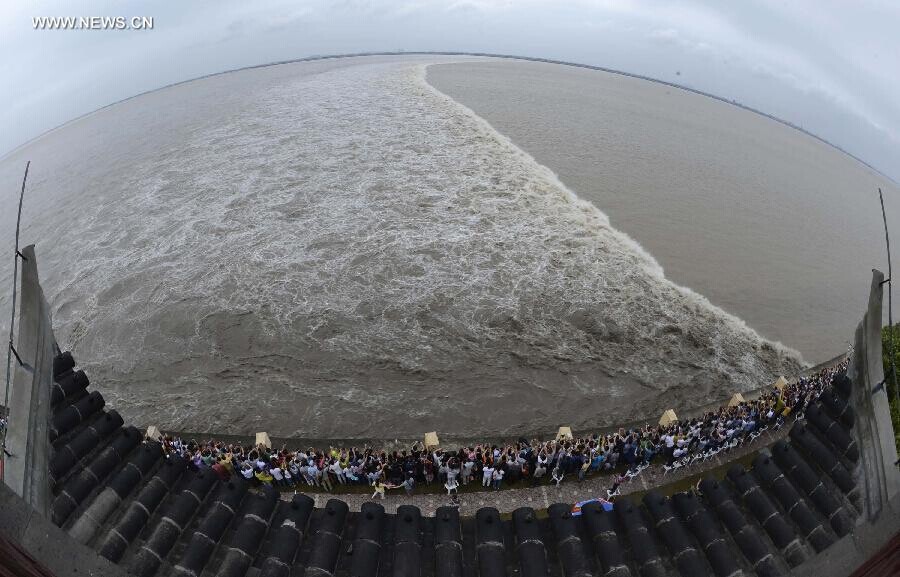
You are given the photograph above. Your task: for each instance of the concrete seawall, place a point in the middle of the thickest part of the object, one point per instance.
(26, 470)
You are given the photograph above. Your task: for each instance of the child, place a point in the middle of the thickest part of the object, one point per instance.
(379, 489)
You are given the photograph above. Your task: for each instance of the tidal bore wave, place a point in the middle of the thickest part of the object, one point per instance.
(351, 253)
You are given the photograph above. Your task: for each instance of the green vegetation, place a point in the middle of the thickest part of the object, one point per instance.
(892, 382)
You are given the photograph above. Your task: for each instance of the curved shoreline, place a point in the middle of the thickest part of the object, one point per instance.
(449, 440)
(315, 58)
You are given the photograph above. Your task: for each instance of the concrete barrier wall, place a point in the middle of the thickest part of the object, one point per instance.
(65, 557)
(873, 432)
(876, 475)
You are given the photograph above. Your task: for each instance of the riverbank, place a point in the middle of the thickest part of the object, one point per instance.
(448, 441)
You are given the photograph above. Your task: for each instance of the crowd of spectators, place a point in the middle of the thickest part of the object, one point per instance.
(496, 465)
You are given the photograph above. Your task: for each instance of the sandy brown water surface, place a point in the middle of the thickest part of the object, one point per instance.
(343, 249)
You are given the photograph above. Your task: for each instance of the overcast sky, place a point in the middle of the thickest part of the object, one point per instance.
(831, 67)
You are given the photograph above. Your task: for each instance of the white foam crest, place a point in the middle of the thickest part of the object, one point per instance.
(352, 253)
(651, 265)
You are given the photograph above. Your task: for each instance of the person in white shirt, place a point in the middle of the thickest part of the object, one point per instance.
(467, 472)
(338, 472)
(540, 468)
(498, 478)
(277, 475)
(488, 476)
(452, 486)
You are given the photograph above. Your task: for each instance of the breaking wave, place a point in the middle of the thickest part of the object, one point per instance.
(351, 253)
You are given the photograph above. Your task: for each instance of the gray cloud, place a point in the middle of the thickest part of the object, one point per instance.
(827, 66)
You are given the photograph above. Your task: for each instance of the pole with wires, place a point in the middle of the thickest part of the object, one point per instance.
(10, 349)
(887, 240)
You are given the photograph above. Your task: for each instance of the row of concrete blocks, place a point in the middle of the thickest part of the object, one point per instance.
(530, 549)
(781, 474)
(80, 416)
(693, 518)
(231, 499)
(78, 425)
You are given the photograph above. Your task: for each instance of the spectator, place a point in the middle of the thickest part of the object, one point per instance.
(635, 448)
(409, 485)
(488, 476)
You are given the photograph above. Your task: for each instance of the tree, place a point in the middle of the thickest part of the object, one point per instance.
(891, 385)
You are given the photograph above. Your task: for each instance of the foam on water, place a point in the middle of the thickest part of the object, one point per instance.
(352, 253)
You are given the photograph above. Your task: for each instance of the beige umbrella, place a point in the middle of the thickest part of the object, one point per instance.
(781, 383)
(264, 440)
(153, 433)
(668, 418)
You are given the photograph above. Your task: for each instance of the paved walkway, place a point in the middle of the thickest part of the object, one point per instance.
(541, 497)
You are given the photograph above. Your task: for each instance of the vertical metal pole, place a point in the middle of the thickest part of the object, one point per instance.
(12, 321)
(887, 241)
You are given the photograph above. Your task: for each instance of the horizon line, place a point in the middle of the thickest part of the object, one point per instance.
(316, 57)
